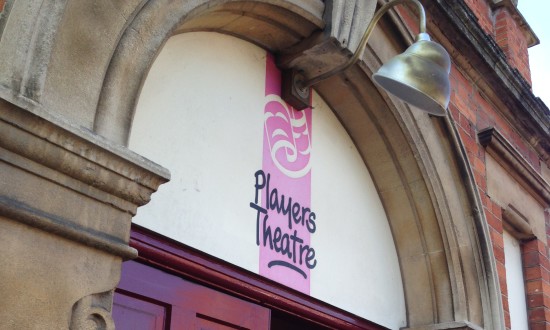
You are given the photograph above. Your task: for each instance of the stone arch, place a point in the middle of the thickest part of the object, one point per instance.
(416, 161)
(427, 189)
(282, 24)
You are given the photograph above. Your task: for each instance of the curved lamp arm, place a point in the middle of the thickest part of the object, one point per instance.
(419, 76)
(361, 48)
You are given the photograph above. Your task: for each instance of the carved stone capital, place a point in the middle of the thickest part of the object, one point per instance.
(93, 312)
(67, 198)
(346, 21)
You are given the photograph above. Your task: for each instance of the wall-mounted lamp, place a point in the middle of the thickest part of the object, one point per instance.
(419, 76)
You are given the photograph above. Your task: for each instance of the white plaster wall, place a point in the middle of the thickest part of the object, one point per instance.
(515, 283)
(200, 115)
(358, 268)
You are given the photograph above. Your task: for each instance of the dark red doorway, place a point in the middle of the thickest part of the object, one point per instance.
(148, 298)
(173, 286)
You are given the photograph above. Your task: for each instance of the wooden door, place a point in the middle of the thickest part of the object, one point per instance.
(148, 298)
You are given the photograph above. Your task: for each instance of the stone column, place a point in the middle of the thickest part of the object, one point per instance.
(67, 197)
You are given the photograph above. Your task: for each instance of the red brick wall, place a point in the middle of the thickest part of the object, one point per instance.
(472, 112)
(483, 12)
(499, 24)
(410, 18)
(504, 28)
(509, 36)
(537, 283)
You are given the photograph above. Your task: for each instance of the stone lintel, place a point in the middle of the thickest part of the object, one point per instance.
(502, 150)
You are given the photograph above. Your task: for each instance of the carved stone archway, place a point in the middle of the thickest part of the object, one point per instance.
(417, 162)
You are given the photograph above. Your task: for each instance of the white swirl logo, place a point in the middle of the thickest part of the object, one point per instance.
(288, 136)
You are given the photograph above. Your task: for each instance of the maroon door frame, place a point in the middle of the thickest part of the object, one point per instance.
(149, 298)
(179, 259)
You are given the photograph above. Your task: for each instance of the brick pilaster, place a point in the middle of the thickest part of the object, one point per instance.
(482, 10)
(509, 36)
(537, 283)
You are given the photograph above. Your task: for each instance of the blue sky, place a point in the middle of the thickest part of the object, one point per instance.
(536, 14)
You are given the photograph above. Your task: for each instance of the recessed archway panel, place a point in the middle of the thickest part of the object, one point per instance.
(203, 118)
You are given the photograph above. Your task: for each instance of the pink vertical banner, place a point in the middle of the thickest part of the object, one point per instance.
(285, 221)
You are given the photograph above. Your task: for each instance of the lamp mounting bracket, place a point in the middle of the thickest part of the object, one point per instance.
(296, 88)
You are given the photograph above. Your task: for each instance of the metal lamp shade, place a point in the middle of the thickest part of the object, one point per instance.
(419, 76)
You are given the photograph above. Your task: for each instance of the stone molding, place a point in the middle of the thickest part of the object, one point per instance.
(286, 22)
(51, 223)
(110, 168)
(111, 177)
(516, 224)
(29, 64)
(510, 158)
(93, 312)
(67, 198)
